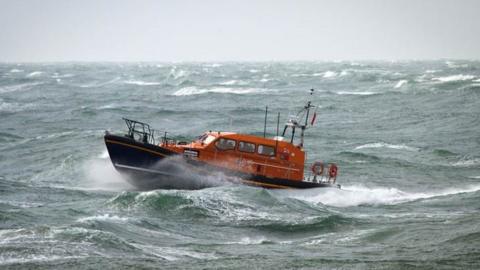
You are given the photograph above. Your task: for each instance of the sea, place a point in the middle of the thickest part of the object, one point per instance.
(404, 134)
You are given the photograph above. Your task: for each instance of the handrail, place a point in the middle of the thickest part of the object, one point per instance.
(142, 132)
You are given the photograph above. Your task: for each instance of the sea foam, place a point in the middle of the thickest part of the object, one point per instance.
(401, 83)
(454, 78)
(141, 83)
(361, 195)
(386, 145)
(192, 90)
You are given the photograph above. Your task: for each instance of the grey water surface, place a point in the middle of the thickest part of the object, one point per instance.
(405, 135)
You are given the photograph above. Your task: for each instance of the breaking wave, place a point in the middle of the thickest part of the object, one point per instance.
(35, 74)
(192, 90)
(386, 145)
(142, 83)
(234, 82)
(364, 93)
(454, 78)
(467, 162)
(18, 87)
(401, 83)
(361, 195)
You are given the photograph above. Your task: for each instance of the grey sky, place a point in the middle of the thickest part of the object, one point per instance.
(113, 30)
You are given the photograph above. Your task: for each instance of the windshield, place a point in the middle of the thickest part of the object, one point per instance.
(206, 138)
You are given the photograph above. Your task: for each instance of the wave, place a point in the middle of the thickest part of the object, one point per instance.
(176, 74)
(401, 83)
(16, 70)
(364, 93)
(454, 78)
(234, 82)
(58, 76)
(386, 145)
(360, 195)
(18, 87)
(213, 65)
(99, 84)
(35, 74)
(443, 153)
(12, 107)
(452, 64)
(142, 83)
(467, 162)
(105, 217)
(361, 156)
(192, 90)
(329, 74)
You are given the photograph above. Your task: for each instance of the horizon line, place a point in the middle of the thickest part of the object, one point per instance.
(239, 61)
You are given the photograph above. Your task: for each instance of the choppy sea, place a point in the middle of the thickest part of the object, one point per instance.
(405, 135)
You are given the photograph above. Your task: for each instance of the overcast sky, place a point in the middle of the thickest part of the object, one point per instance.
(116, 30)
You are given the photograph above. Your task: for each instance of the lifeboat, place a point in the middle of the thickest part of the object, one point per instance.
(150, 160)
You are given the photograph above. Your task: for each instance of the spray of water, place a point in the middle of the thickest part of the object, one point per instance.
(100, 174)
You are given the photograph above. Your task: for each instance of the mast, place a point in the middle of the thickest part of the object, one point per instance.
(294, 122)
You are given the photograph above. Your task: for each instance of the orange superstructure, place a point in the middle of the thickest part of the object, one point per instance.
(246, 153)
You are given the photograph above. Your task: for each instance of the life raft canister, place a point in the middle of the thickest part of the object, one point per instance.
(332, 170)
(317, 168)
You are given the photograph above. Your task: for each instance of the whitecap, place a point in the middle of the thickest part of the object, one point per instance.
(213, 65)
(250, 241)
(108, 106)
(452, 64)
(14, 107)
(56, 75)
(386, 145)
(176, 74)
(400, 83)
(329, 74)
(105, 217)
(141, 83)
(233, 82)
(16, 70)
(361, 195)
(454, 78)
(431, 71)
(17, 87)
(254, 71)
(192, 90)
(37, 259)
(173, 254)
(467, 162)
(35, 74)
(301, 75)
(366, 93)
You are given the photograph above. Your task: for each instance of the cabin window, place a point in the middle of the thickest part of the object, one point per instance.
(246, 147)
(266, 150)
(225, 144)
(208, 139)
